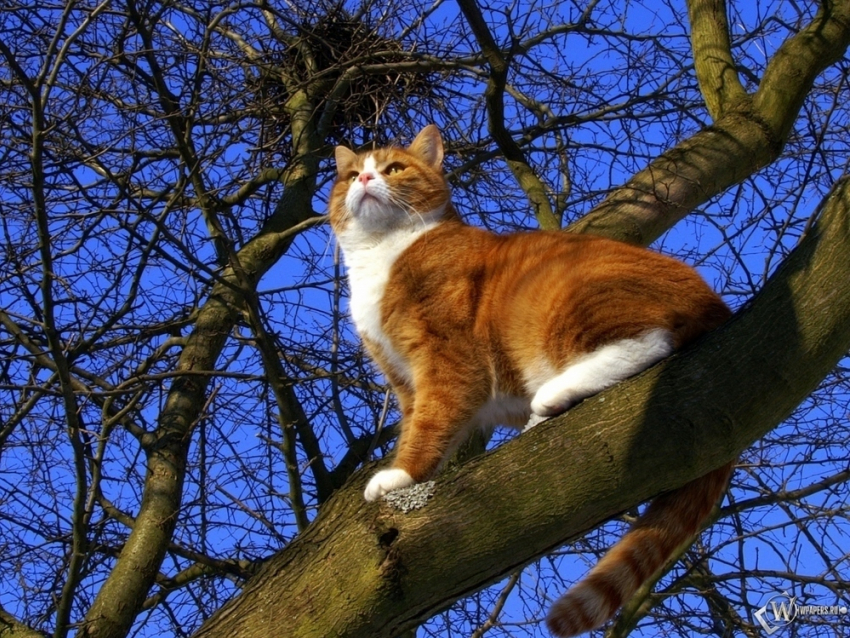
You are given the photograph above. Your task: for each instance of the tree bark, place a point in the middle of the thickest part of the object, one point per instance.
(713, 62)
(11, 628)
(369, 570)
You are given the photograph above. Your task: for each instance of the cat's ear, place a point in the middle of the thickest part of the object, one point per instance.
(428, 146)
(345, 160)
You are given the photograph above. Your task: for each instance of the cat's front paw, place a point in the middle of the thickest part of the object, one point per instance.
(386, 481)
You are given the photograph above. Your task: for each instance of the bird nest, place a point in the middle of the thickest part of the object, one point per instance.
(319, 52)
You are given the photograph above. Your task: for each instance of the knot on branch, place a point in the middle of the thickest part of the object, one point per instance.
(411, 498)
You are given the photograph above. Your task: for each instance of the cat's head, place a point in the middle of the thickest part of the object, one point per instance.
(389, 188)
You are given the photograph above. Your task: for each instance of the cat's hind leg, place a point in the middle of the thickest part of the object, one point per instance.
(601, 369)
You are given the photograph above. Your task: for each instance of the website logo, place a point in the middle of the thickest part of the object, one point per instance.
(779, 611)
(782, 609)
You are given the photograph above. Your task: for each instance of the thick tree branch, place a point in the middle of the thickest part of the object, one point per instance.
(795, 65)
(715, 68)
(678, 420)
(11, 628)
(742, 141)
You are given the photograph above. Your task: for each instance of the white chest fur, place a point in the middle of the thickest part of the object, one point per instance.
(369, 264)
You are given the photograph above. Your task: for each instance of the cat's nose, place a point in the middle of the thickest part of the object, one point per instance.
(366, 177)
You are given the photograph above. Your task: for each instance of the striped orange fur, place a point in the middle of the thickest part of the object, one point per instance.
(474, 329)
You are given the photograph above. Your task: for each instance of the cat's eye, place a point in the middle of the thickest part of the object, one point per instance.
(394, 169)
(351, 177)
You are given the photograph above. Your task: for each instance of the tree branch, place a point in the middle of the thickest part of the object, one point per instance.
(715, 68)
(11, 628)
(494, 95)
(671, 424)
(743, 140)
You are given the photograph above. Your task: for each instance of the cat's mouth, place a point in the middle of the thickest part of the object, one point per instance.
(372, 209)
(367, 201)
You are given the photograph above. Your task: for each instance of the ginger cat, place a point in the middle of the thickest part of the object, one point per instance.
(475, 329)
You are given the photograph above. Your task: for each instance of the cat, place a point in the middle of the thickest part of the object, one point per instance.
(474, 329)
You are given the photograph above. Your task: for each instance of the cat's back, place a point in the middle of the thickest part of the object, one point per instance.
(567, 294)
(546, 273)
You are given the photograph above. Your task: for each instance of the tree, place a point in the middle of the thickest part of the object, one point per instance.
(187, 413)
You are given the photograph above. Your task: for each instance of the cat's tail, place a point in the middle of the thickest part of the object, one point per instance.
(669, 521)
